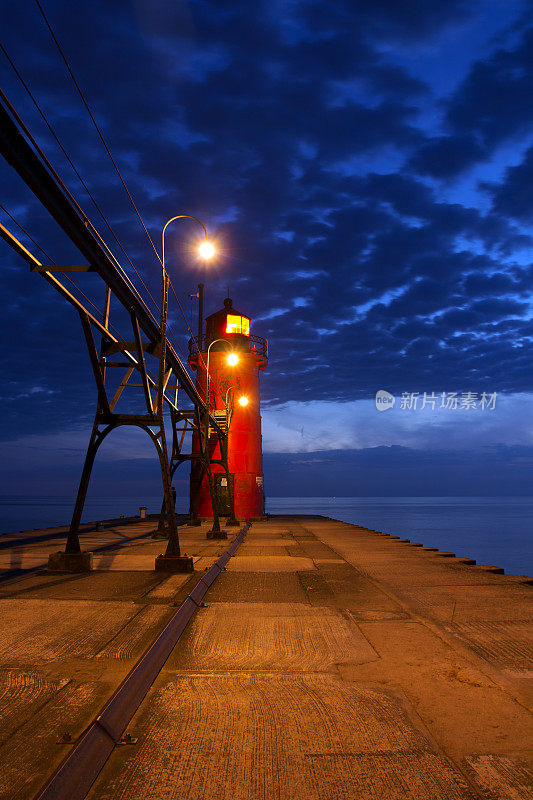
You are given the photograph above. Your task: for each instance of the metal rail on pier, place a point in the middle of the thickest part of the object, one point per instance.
(75, 776)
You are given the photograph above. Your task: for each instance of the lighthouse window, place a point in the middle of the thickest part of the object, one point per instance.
(237, 324)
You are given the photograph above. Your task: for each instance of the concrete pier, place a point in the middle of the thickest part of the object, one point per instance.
(326, 662)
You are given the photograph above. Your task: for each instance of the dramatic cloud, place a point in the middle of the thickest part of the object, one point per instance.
(365, 171)
(513, 196)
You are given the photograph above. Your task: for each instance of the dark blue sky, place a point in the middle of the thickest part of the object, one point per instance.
(366, 168)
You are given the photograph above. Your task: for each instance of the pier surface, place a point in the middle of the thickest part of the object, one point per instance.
(326, 662)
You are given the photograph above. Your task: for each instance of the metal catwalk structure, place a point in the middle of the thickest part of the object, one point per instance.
(117, 364)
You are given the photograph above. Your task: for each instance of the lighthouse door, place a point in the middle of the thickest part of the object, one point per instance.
(222, 493)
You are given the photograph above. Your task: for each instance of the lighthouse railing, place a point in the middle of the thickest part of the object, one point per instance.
(257, 345)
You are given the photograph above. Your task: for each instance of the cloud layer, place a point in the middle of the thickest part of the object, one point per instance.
(367, 179)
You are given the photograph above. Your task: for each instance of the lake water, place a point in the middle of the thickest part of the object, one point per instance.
(493, 530)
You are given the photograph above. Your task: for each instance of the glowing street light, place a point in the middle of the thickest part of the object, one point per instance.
(232, 359)
(243, 400)
(206, 250)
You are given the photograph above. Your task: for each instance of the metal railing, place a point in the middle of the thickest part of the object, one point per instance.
(256, 344)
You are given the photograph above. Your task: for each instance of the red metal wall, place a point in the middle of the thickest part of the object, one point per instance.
(245, 456)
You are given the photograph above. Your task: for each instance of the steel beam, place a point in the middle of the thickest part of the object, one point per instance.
(33, 171)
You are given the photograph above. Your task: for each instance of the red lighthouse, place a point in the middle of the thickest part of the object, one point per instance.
(233, 357)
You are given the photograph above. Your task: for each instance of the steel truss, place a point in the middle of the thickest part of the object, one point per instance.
(148, 339)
